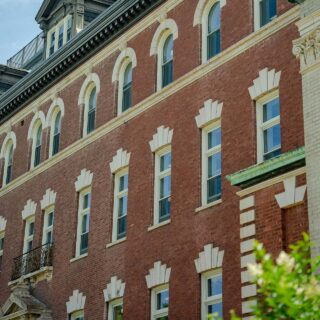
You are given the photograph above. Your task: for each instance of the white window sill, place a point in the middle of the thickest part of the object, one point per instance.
(114, 243)
(159, 225)
(209, 205)
(79, 257)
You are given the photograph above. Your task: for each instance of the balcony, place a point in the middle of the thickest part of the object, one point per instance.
(35, 265)
(28, 57)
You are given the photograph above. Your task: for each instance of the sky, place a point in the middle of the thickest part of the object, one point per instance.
(17, 25)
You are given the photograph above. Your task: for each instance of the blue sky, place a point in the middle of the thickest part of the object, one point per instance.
(17, 25)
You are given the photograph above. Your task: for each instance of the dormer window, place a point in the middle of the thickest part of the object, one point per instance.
(60, 38)
(52, 43)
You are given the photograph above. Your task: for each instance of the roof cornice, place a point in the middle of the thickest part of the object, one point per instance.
(110, 24)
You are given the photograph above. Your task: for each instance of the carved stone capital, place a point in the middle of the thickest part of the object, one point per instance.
(307, 48)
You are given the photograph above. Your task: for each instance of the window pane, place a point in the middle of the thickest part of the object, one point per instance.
(1, 243)
(50, 219)
(85, 223)
(60, 39)
(31, 229)
(214, 189)
(272, 138)
(268, 10)
(69, 29)
(91, 120)
(118, 313)
(214, 286)
(29, 246)
(168, 50)
(39, 136)
(164, 209)
(214, 138)
(123, 185)
(57, 123)
(123, 206)
(165, 187)
(56, 144)
(163, 300)
(167, 73)
(127, 97)
(37, 156)
(214, 18)
(214, 46)
(215, 309)
(9, 173)
(271, 109)
(165, 162)
(84, 243)
(93, 99)
(214, 165)
(122, 227)
(49, 237)
(86, 201)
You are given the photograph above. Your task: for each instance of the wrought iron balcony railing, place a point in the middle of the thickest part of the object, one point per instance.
(32, 261)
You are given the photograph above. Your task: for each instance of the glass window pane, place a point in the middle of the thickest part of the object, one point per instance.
(167, 73)
(214, 286)
(214, 189)
(168, 49)
(29, 246)
(123, 183)
(214, 138)
(128, 75)
(163, 300)
(85, 223)
(165, 187)
(214, 165)
(117, 312)
(57, 123)
(268, 10)
(122, 227)
(39, 136)
(215, 310)
(214, 18)
(271, 109)
(50, 218)
(49, 237)
(272, 138)
(31, 229)
(164, 209)
(86, 201)
(165, 162)
(1, 243)
(93, 99)
(123, 206)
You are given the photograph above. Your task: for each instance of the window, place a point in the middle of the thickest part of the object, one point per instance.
(127, 88)
(162, 186)
(83, 222)
(8, 162)
(69, 28)
(120, 205)
(28, 235)
(47, 236)
(52, 43)
(213, 35)
(269, 131)
(60, 38)
(211, 284)
(90, 111)
(167, 61)
(77, 315)
(115, 310)
(36, 145)
(55, 134)
(211, 164)
(265, 11)
(160, 303)
(1, 247)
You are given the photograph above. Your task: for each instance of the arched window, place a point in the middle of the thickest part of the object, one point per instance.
(127, 88)
(36, 145)
(55, 134)
(8, 162)
(90, 111)
(213, 32)
(167, 61)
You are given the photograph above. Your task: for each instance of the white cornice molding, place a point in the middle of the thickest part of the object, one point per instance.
(3, 223)
(210, 258)
(162, 138)
(202, 4)
(29, 209)
(127, 53)
(91, 78)
(158, 275)
(76, 302)
(168, 24)
(210, 112)
(266, 82)
(48, 199)
(120, 160)
(292, 196)
(84, 180)
(10, 138)
(115, 289)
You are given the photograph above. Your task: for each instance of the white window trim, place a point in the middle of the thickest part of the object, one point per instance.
(111, 305)
(36, 126)
(157, 176)
(164, 36)
(6, 161)
(155, 314)
(47, 229)
(55, 30)
(28, 238)
(204, 29)
(116, 197)
(77, 314)
(204, 159)
(204, 300)
(88, 91)
(52, 126)
(256, 13)
(122, 71)
(82, 193)
(259, 114)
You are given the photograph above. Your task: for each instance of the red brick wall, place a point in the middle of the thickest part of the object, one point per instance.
(180, 242)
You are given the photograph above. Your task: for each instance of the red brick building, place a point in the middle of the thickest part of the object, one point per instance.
(143, 156)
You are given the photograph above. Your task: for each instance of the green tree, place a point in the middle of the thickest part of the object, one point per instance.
(288, 287)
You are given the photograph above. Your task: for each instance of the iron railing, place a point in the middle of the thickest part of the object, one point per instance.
(29, 55)
(32, 261)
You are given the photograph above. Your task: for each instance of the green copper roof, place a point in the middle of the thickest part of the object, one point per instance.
(269, 168)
